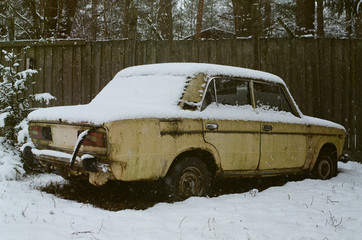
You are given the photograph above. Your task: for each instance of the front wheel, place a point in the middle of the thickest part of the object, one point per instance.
(325, 167)
(187, 178)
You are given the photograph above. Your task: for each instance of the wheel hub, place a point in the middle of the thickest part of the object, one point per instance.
(191, 182)
(324, 169)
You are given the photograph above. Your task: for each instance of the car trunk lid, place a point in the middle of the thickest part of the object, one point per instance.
(63, 137)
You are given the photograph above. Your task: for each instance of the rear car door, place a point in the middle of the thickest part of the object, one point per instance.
(283, 139)
(237, 141)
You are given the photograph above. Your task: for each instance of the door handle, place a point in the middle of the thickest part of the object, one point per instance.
(211, 126)
(267, 128)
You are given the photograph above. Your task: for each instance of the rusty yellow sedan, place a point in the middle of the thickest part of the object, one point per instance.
(185, 124)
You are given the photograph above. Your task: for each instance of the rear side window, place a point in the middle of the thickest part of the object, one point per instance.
(271, 96)
(225, 91)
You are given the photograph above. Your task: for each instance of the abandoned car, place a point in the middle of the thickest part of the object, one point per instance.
(185, 124)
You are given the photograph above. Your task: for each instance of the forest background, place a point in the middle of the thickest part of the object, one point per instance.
(178, 19)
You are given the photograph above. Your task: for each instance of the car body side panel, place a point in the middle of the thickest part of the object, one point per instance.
(238, 143)
(283, 147)
(144, 149)
(319, 136)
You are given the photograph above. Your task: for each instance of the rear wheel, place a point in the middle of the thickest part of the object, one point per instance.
(187, 178)
(325, 167)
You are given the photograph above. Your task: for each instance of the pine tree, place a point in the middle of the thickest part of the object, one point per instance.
(14, 101)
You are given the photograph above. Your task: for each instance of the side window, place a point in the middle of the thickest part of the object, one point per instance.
(271, 96)
(209, 96)
(232, 92)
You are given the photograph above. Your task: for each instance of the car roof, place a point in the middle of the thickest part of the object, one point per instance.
(191, 69)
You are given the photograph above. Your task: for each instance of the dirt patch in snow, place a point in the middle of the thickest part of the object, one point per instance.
(115, 196)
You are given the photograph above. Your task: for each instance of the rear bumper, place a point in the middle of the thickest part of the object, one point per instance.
(60, 160)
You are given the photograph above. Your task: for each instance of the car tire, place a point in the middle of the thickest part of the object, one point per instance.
(325, 167)
(188, 177)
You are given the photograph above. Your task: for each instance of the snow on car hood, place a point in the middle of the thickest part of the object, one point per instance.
(154, 91)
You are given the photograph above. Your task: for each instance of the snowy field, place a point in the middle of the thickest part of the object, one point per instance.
(308, 209)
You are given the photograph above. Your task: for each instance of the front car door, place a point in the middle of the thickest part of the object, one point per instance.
(283, 138)
(236, 140)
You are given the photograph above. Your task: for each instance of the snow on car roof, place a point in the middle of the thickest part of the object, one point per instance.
(191, 69)
(154, 91)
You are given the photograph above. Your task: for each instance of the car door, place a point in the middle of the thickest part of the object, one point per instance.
(283, 139)
(237, 141)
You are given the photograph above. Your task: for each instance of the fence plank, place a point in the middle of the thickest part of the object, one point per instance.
(264, 60)
(238, 51)
(29, 64)
(107, 74)
(86, 72)
(204, 51)
(77, 81)
(117, 56)
(284, 59)
(67, 74)
(57, 74)
(325, 77)
(212, 51)
(312, 77)
(163, 51)
(346, 94)
(296, 69)
(141, 53)
(248, 53)
(273, 53)
(337, 79)
(130, 51)
(353, 126)
(103, 62)
(39, 78)
(96, 68)
(358, 91)
(224, 52)
(151, 52)
(48, 70)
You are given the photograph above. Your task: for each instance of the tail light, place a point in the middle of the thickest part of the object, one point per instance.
(41, 133)
(95, 139)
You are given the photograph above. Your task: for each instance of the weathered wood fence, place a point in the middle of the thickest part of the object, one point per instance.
(324, 75)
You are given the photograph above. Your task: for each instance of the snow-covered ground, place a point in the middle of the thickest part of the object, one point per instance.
(308, 209)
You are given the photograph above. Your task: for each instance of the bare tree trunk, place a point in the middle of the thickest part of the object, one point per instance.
(50, 18)
(69, 7)
(349, 20)
(242, 17)
(320, 19)
(358, 23)
(125, 26)
(132, 34)
(94, 20)
(36, 20)
(255, 22)
(267, 17)
(305, 17)
(164, 19)
(11, 28)
(200, 12)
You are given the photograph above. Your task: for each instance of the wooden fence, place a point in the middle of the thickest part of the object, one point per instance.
(324, 75)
